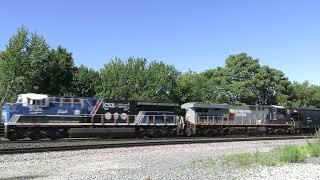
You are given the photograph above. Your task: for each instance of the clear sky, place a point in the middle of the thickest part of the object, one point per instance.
(190, 34)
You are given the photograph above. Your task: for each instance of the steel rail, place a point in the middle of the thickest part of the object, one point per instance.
(143, 142)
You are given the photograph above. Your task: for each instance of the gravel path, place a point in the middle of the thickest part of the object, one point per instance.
(156, 162)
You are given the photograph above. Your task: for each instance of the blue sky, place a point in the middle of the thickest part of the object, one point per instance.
(189, 34)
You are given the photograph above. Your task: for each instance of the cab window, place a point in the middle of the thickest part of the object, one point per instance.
(20, 100)
(281, 113)
(37, 102)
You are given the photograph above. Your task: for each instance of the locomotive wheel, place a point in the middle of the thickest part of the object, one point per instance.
(64, 133)
(188, 132)
(163, 132)
(211, 132)
(12, 137)
(34, 135)
(143, 134)
(54, 136)
(279, 131)
(154, 133)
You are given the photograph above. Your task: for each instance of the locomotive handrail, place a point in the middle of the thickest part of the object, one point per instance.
(72, 101)
(135, 120)
(235, 120)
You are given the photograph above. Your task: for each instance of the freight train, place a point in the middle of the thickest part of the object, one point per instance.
(38, 116)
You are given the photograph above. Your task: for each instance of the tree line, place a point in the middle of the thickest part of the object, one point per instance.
(29, 64)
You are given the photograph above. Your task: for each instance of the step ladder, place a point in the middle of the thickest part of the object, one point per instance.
(1, 130)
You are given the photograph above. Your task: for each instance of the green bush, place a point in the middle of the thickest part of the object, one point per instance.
(244, 160)
(314, 149)
(292, 153)
(317, 137)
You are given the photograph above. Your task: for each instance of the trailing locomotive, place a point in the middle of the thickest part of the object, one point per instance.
(217, 119)
(39, 116)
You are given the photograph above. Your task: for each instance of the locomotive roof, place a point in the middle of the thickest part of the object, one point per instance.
(154, 103)
(278, 107)
(305, 109)
(144, 102)
(220, 106)
(203, 105)
(33, 96)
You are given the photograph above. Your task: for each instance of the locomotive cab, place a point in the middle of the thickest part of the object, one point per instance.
(278, 114)
(31, 99)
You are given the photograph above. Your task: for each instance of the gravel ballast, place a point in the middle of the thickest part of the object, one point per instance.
(153, 162)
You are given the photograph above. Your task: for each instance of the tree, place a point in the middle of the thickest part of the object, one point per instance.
(135, 79)
(194, 87)
(14, 67)
(244, 80)
(160, 81)
(85, 82)
(28, 65)
(56, 73)
(114, 81)
(37, 56)
(304, 95)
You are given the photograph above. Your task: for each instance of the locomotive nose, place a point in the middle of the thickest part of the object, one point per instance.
(5, 113)
(8, 110)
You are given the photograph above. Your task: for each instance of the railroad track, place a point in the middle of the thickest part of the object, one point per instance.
(25, 141)
(133, 143)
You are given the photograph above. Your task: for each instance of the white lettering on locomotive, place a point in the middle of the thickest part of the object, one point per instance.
(240, 112)
(108, 106)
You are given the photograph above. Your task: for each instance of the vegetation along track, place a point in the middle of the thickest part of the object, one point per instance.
(85, 144)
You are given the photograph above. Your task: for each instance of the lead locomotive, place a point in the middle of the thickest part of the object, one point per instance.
(42, 116)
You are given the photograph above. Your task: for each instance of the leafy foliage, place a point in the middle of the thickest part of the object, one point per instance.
(85, 82)
(28, 64)
(244, 80)
(57, 72)
(160, 81)
(14, 65)
(136, 79)
(304, 95)
(193, 87)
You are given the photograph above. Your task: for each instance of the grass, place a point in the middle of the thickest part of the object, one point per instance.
(244, 160)
(314, 149)
(292, 153)
(279, 155)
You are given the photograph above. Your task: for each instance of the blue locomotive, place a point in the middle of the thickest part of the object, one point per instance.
(40, 115)
(29, 106)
